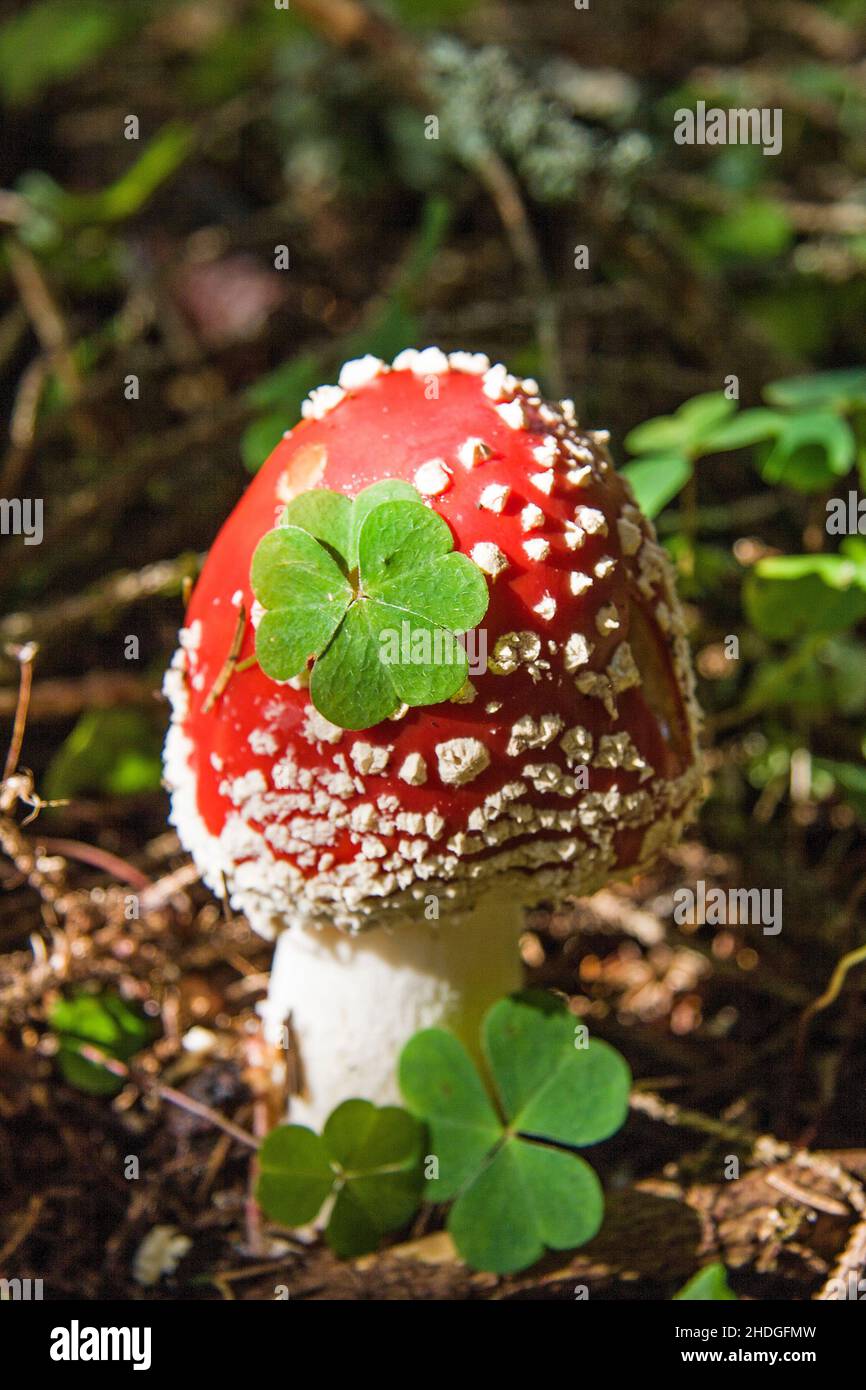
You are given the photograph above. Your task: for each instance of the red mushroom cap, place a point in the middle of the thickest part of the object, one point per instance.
(570, 759)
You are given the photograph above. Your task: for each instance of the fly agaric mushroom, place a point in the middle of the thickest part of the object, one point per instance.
(394, 862)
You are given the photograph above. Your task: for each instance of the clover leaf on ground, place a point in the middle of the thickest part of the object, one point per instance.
(368, 1158)
(517, 1185)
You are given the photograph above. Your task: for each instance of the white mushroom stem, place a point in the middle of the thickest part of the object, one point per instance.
(353, 1001)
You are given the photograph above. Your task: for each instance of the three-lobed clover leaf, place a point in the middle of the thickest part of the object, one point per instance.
(371, 589)
(518, 1186)
(369, 1157)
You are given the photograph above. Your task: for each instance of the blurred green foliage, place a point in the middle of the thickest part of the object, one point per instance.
(808, 440)
(113, 752)
(806, 444)
(52, 40)
(104, 1021)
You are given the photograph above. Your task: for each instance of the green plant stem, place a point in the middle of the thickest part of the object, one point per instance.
(689, 514)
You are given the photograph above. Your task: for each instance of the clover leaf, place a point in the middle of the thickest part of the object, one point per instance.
(373, 592)
(518, 1186)
(369, 1159)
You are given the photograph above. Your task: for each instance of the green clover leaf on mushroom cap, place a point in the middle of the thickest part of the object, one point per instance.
(371, 590)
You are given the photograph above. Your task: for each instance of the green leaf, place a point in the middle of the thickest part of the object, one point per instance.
(107, 1022)
(350, 684)
(830, 679)
(493, 1223)
(406, 559)
(440, 1085)
(683, 431)
(112, 752)
(160, 159)
(759, 229)
(710, 1284)
(286, 386)
(295, 1175)
(261, 437)
(306, 597)
(551, 1087)
(704, 413)
(394, 537)
(388, 490)
(425, 664)
(362, 1138)
(277, 397)
(367, 1209)
(809, 452)
(514, 1194)
(850, 778)
(370, 1157)
(53, 40)
(841, 391)
(527, 1197)
(656, 481)
(661, 434)
(378, 1153)
(749, 427)
(325, 515)
(791, 595)
(387, 637)
(565, 1194)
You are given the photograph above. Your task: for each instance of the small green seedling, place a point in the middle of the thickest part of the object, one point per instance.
(369, 1160)
(340, 578)
(105, 1022)
(509, 1168)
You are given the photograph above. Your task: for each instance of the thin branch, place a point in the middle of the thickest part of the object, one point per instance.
(651, 1105)
(43, 312)
(228, 666)
(99, 859)
(25, 657)
(64, 699)
(117, 592)
(167, 1093)
(831, 993)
